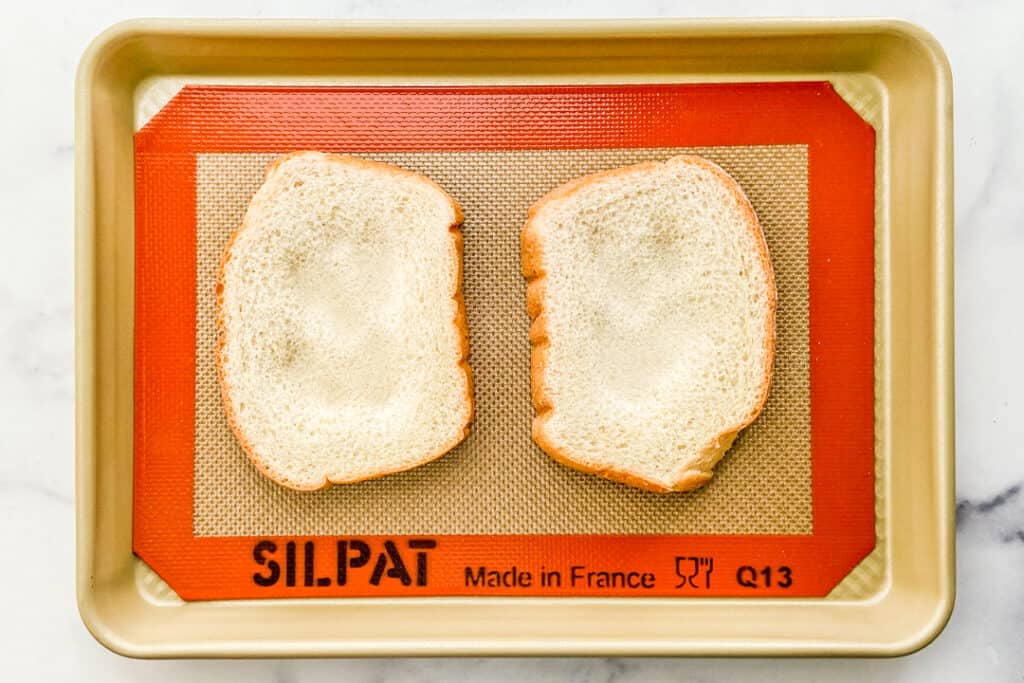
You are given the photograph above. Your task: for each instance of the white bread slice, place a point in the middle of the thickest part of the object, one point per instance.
(653, 307)
(342, 330)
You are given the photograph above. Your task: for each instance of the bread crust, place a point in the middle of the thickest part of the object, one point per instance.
(698, 472)
(459, 321)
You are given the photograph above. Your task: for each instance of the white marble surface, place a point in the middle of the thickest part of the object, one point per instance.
(41, 637)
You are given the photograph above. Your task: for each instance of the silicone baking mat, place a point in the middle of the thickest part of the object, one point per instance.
(793, 497)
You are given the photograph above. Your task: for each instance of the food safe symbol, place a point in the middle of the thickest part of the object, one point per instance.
(690, 569)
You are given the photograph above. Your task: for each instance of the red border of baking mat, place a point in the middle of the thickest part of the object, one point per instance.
(271, 119)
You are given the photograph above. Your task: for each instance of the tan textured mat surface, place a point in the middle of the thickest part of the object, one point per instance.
(498, 481)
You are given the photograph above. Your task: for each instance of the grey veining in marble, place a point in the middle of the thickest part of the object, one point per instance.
(42, 636)
(1000, 517)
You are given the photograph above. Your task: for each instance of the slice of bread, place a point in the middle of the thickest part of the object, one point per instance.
(653, 307)
(342, 330)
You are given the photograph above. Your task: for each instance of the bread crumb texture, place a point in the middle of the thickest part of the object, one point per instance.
(342, 349)
(654, 332)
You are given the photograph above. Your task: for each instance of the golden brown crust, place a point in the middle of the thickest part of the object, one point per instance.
(459, 321)
(690, 480)
(698, 473)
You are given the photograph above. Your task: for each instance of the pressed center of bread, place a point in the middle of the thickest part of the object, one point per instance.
(345, 353)
(655, 305)
(341, 353)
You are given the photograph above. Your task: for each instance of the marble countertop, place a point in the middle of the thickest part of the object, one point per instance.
(41, 634)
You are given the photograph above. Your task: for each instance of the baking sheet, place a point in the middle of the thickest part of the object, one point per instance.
(907, 84)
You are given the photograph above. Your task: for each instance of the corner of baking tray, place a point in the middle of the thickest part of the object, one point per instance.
(931, 626)
(104, 45)
(102, 628)
(926, 42)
